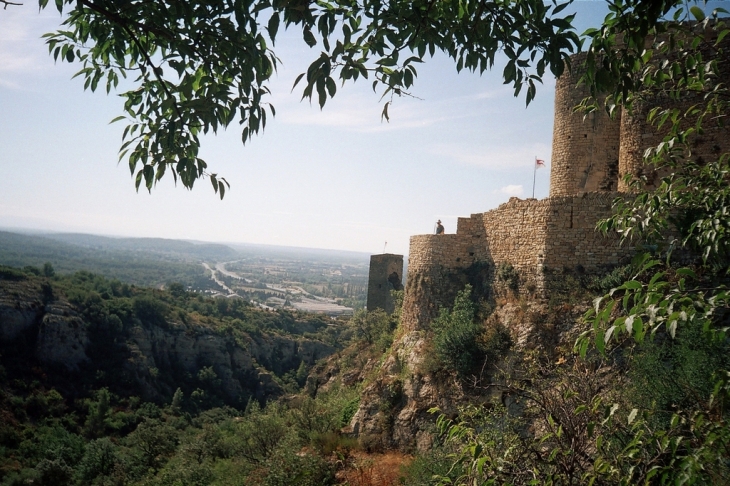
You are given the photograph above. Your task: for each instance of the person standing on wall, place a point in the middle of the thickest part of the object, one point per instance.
(439, 228)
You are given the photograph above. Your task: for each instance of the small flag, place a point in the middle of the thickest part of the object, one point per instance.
(539, 163)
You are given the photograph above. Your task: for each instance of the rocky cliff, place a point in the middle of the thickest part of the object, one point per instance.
(400, 388)
(147, 359)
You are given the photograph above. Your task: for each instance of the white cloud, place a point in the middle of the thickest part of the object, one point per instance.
(357, 112)
(9, 84)
(14, 62)
(492, 157)
(512, 190)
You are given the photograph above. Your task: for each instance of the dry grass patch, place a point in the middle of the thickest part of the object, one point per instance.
(364, 469)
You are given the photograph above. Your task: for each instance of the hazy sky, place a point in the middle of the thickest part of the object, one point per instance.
(338, 178)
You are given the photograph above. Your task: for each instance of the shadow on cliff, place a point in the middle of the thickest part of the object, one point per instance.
(142, 346)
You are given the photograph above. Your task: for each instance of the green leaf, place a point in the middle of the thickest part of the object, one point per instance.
(686, 272)
(721, 36)
(697, 13)
(600, 341)
(309, 37)
(296, 81)
(273, 26)
(582, 345)
(331, 87)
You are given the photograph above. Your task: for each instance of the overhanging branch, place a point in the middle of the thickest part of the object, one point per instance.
(7, 2)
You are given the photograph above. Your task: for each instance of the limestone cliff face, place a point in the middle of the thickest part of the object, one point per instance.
(18, 315)
(394, 407)
(395, 403)
(148, 360)
(62, 337)
(241, 369)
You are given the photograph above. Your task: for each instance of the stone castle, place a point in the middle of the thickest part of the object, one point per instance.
(529, 245)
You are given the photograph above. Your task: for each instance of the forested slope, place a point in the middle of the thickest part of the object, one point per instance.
(87, 359)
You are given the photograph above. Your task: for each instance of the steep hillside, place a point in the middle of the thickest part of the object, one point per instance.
(140, 343)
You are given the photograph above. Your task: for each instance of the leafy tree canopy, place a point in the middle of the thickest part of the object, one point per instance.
(196, 67)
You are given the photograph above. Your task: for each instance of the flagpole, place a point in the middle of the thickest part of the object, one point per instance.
(534, 173)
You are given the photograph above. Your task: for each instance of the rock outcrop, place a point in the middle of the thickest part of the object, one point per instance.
(150, 360)
(396, 399)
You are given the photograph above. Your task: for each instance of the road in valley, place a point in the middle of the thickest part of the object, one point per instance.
(306, 301)
(216, 280)
(221, 267)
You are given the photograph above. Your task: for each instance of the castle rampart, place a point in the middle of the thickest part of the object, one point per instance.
(539, 240)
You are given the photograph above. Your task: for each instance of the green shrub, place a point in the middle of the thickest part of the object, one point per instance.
(426, 467)
(287, 468)
(604, 283)
(48, 270)
(670, 374)
(374, 327)
(100, 460)
(506, 273)
(455, 335)
(9, 273)
(155, 441)
(259, 434)
(329, 442)
(150, 310)
(494, 341)
(349, 411)
(183, 473)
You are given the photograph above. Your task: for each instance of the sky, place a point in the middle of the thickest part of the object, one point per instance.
(338, 178)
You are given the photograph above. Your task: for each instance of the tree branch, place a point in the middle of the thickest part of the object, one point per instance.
(7, 2)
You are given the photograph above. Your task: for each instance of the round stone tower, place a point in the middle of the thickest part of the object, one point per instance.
(585, 147)
(594, 153)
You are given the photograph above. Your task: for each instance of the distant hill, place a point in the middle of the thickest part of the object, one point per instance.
(130, 260)
(159, 246)
(152, 261)
(300, 253)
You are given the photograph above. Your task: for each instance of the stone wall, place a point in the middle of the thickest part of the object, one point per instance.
(585, 148)
(386, 274)
(437, 268)
(537, 240)
(594, 152)
(536, 237)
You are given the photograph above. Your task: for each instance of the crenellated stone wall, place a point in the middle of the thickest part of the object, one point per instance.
(539, 240)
